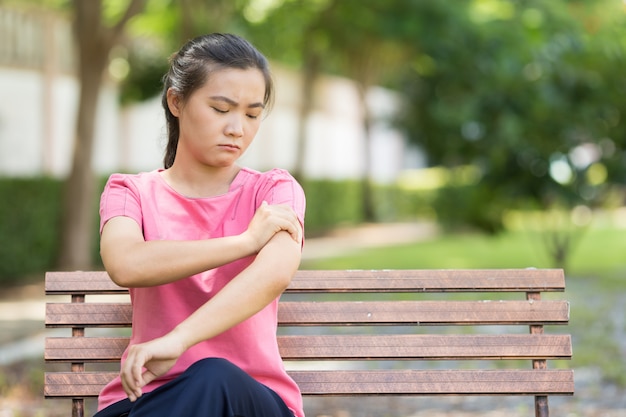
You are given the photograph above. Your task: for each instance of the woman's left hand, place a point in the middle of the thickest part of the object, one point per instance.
(147, 361)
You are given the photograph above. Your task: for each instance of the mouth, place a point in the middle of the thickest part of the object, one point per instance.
(230, 146)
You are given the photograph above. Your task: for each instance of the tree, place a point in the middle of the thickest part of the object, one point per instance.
(99, 27)
(521, 92)
(290, 34)
(361, 40)
(532, 94)
(95, 39)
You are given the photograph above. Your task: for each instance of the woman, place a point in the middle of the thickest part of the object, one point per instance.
(206, 248)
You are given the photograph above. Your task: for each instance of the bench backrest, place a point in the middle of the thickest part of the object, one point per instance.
(319, 305)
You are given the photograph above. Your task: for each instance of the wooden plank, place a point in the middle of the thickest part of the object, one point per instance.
(436, 382)
(380, 382)
(311, 281)
(422, 313)
(84, 349)
(75, 384)
(81, 282)
(429, 280)
(346, 313)
(88, 315)
(424, 347)
(351, 347)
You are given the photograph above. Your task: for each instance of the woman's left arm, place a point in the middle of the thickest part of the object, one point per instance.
(248, 293)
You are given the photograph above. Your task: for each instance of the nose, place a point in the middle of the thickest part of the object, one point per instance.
(234, 127)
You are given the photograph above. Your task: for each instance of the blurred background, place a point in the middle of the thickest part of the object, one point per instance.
(427, 134)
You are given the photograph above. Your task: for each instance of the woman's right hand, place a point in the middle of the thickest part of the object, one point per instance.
(271, 219)
(147, 361)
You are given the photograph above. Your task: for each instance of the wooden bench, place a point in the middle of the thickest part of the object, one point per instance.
(389, 315)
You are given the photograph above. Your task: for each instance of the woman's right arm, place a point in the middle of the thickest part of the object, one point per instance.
(133, 262)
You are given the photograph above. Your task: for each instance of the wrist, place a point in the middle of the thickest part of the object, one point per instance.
(182, 337)
(248, 243)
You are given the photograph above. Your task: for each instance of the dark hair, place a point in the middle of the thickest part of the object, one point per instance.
(191, 66)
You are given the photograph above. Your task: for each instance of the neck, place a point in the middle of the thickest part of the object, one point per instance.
(200, 182)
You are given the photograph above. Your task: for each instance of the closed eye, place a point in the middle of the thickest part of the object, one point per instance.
(220, 110)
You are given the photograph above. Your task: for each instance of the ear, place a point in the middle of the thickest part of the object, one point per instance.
(173, 102)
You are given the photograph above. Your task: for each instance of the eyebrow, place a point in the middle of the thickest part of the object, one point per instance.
(234, 103)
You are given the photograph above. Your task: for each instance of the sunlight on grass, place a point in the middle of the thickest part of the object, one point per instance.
(599, 253)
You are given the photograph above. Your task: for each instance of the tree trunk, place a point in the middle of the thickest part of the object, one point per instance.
(79, 192)
(94, 42)
(369, 213)
(78, 198)
(310, 72)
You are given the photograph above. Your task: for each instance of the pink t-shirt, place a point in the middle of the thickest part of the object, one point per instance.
(164, 214)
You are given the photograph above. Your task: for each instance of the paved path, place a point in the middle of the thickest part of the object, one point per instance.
(347, 240)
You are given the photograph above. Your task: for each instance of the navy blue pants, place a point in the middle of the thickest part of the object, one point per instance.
(211, 387)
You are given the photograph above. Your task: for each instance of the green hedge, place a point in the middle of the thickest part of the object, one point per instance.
(29, 226)
(331, 203)
(30, 216)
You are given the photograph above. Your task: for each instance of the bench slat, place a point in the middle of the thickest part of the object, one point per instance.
(428, 280)
(425, 347)
(84, 349)
(307, 281)
(423, 313)
(380, 382)
(436, 382)
(351, 347)
(346, 313)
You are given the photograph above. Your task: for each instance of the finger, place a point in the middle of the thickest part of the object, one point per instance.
(127, 385)
(295, 230)
(137, 378)
(148, 377)
(131, 373)
(127, 389)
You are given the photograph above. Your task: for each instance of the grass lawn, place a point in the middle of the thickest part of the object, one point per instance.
(595, 271)
(599, 253)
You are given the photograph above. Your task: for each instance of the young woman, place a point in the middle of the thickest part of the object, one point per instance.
(206, 248)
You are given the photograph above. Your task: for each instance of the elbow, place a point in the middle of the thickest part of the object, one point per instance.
(124, 266)
(122, 273)
(282, 280)
(121, 277)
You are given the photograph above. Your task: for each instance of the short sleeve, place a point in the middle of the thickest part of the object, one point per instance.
(120, 198)
(281, 188)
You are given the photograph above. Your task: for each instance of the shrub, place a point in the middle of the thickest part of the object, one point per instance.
(29, 226)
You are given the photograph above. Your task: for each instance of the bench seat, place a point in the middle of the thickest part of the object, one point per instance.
(491, 320)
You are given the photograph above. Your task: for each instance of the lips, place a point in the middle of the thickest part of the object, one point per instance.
(230, 146)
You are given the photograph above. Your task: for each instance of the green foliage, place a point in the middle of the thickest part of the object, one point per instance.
(160, 30)
(331, 203)
(393, 203)
(472, 205)
(514, 88)
(338, 203)
(29, 226)
(144, 79)
(519, 89)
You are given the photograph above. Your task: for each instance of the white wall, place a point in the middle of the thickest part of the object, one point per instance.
(37, 125)
(20, 122)
(132, 139)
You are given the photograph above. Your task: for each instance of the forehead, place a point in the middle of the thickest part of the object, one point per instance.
(234, 82)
